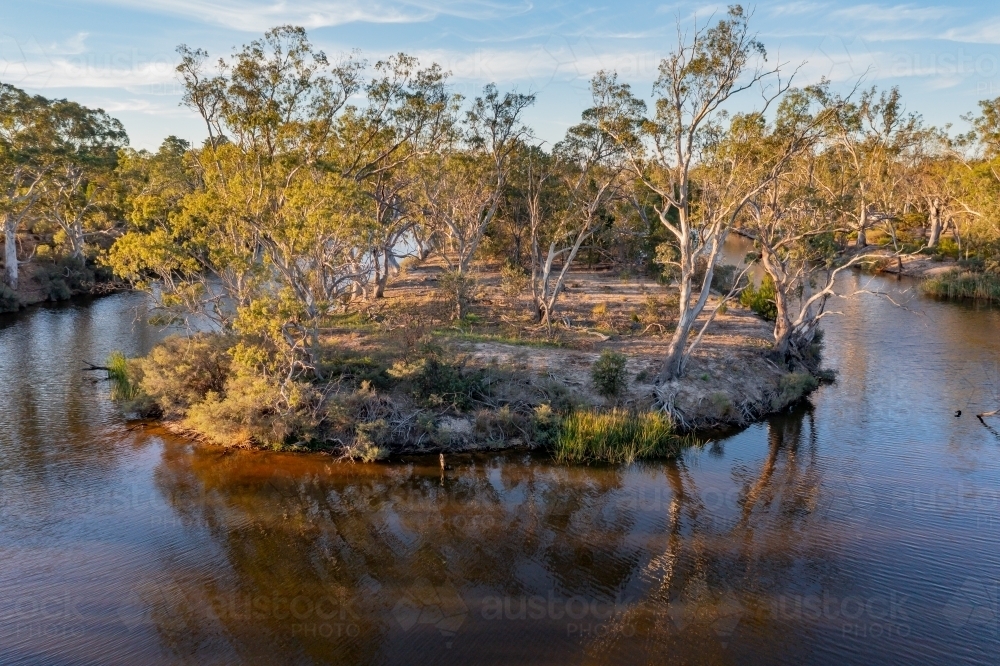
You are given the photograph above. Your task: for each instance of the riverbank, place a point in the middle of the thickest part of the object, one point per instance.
(53, 281)
(943, 277)
(403, 379)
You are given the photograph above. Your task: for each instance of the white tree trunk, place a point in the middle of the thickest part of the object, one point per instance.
(10, 251)
(862, 227)
(935, 220)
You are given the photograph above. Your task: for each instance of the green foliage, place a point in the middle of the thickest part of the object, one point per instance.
(947, 247)
(122, 387)
(513, 280)
(60, 279)
(609, 374)
(977, 285)
(723, 278)
(792, 388)
(546, 425)
(434, 383)
(618, 437)
(370, 441)
(182, 371)
(257, 410)
(457, 288)
(359, 370)
(761, 299)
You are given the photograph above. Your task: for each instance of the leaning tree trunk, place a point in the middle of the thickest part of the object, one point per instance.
(673, 365)
(10, 251)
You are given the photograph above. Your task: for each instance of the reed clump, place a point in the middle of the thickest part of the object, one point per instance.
(618, 437)
(977, 285)
(122, 387)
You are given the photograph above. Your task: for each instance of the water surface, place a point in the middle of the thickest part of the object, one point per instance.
(862, 528)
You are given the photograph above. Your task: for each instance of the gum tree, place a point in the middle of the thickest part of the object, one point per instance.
(707, 69)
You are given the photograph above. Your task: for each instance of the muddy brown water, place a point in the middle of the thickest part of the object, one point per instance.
(861, 528)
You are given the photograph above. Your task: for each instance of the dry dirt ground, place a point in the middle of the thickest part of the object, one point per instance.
(729, 380)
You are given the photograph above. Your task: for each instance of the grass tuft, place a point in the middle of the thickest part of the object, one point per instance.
(122, 388)
(618, 437)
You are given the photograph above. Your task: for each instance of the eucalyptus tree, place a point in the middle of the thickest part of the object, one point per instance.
(869, 138)
(235, 249)
(978, 178)
(590, 167)
(463, 183)
(707, 69)
(408, 113)
(56, 159)
(22, 127)
(81, 197)
(792, 220)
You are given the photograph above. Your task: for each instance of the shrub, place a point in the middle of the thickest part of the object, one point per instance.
(9, 302)
(369, 442)
(500, 425)
(457, 290)
(618, 436)
(761, 299)
(513, 281)
(182, 371)
(61, 278)
(723, 278)
(792, 388)
(257, 410)
(437, 384)
(609, 375)
(545, 426)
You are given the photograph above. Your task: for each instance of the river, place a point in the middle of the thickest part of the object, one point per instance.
(861, 528)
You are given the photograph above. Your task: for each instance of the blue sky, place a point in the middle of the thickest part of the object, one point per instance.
(119, 54)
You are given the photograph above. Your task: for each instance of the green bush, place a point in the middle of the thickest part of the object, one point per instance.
(437, 384)
(62, 278)
(618, 436)
(182, 371)
(513, 281)
(545, 425)
(761, 299)
(792, 388)
(257, 410)
(609, 375)
(723, 278)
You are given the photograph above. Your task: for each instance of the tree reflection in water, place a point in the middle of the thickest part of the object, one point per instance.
(362, 564)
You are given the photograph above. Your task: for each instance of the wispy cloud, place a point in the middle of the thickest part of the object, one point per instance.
(257, 16)
(982, 32)
(871, 13)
